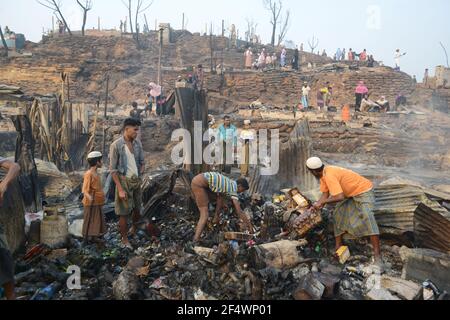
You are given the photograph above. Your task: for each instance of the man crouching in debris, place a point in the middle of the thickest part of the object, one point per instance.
(127, 166)
(355, 202)
(210, 183)
(6, 259)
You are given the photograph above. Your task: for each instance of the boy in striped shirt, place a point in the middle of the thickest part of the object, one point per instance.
(205, 186)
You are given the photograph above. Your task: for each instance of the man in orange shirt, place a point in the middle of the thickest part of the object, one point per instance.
(355, 202)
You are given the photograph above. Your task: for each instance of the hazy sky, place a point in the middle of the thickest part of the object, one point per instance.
(380, 26)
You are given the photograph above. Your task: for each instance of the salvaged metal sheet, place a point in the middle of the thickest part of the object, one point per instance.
(432, 227)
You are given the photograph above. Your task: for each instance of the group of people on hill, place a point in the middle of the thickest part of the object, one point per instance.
(324, 96)
(266, 60)
(342, 55)
(363, 102)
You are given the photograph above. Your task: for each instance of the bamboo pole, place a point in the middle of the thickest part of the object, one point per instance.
(105, 115)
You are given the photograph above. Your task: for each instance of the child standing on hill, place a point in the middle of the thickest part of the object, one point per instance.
(94, 226)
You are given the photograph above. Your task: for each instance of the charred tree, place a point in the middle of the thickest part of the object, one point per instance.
(55, 6)
(275, 8)
(86, 7)
(24, 156)
(285, 24)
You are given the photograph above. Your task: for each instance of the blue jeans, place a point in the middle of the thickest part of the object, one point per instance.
(305, 102)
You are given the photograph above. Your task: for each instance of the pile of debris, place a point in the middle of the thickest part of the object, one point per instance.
(290, 256)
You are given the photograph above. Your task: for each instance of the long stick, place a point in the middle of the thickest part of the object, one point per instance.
(106, 114)
(160, 56)
(68, 87)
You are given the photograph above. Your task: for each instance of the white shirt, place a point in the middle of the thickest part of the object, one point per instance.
(305, 91)
(132, 169)
(247, 135)
(397, 57)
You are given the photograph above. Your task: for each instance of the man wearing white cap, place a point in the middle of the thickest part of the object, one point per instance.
(94, 225)
(355, 201)
(246, 137)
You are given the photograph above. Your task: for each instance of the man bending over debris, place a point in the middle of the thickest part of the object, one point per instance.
(127, 166)
(355, 201)
(205, 185)
(6, 259)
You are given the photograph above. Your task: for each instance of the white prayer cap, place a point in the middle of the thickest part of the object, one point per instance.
(314, 163)
(247, 122)
(94, 155)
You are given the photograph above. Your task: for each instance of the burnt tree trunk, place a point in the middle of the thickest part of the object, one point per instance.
(131, 17)
(24, 156)
(84, 22)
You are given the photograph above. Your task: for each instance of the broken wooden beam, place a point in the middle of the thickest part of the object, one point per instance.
(238, 236)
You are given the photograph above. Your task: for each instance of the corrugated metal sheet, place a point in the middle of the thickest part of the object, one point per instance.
(432, 227)
(401, 208)
(395, 206)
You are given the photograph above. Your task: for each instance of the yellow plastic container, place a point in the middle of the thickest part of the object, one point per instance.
(344, 254)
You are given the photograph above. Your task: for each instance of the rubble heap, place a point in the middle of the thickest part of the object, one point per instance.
(290, 258)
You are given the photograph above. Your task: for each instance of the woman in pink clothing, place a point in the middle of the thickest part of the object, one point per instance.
(363, 55)
(351, 56)
(361, 90)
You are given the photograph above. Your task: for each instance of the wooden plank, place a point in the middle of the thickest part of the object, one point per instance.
(238, 236)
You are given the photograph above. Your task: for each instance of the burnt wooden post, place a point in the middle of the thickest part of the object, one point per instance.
(161, 38)
(24, 156)
(105, 115)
